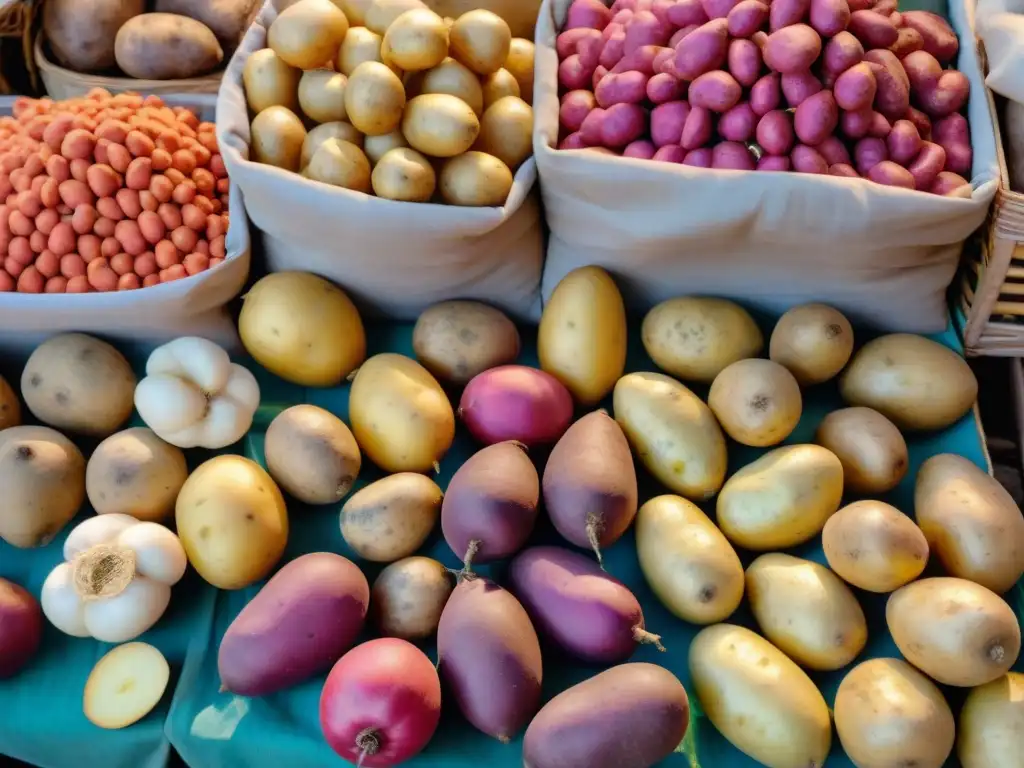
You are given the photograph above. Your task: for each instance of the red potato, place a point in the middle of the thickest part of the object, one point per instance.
(868, 153)
(833, 150)
(568, 42)
(766, 94)
(921, 121)
(489, 657)
(829, 17)
(381, 703)
(879, 127)
(927, 165)
(799, 86)
(590, 128)
(513, 402)
(948, 95)
(953, 134)
(904, 142)
(589, 50)
(664, 88)
(891, 174)
(621, 124)
(599, 74)
(892, 97)
(640, 59)
(939, 38)
(660, 9)
(774, 163)
(613, 51)
(621, 88)
(807, 160)
(592, 14)
(667, 121)
(843, 169)
(573, 141)
(785, 13)
(872, 29)
(298, 624)
(641, 149)
(744, 60)
(670, 153)
(855, 88)
(718, 9)
(646, 29)
(717, 91)
(623, 17)
(697, 129)
(21, 618)
(923, 70)
(746, 17)
(908, 40)
(686, 12)
(775, 132)
(573, 75)
(664, 62)
(576, 105)
(840, 53)
(732, 156)
(816, 118)
(951, 185)
(792, 49)
(738, 124)
(703, 50)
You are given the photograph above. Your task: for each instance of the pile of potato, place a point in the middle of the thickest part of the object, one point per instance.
(391, 99)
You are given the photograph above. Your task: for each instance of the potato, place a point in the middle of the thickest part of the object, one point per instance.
(125, 685)
(581, 340)
(519, 64)
(10, 408)
(806, 611)
(21, 628)
(308, 34)
(322, 95)
(991, 728)
(521, 15)
(165, 46)
(278, 136)
(400, 415)
(481, 40)
(687, 562)
(782, 499)
(79, 384)
(693, 337)
(915, 382)
(417, 40)
(970, 521)
(870, 447)
(756, 401)
(498, 85)
(381, 13)
(514, 402)
(391, 518)
(408, 597)
(360, 45)
(338, 130)
(354, 10)
(955, 631)
(672, 432)
(455, 79)
(269, 82)
(506, 131)
(232, 521)
(874, 546)
(375, 147)
(302, 328)
(312, 454)
(135, 473)
(81, 35)
(227, 19)
(440, 125)
(404, 174)
(762, 702)
(814, 341)
(888, 713)
(475, 179)
(374, 99)
(456, 340)
(340, 164)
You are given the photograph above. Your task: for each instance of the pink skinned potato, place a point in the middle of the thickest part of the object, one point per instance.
(621, 88)
(615, 28)
(807, 160)
(921, 121)
(948, 95)
(939, 38)
(855, 88)
(621, 124)
(775, 132)
(665, 55)
(589, 50)
(829, 17)
(891, 174)
(717, 91)
(698, 158)
(299, 624)
(843, 169)
(592, 14)
(381, 703)
(834, 151)
(869, 152)
(646, 29)
(923, 70)
(798, 86)
(21, 628)
(613, 51)
(622, 17)
(861, 5)
(738, 123)
(599, 74)
(792, 49)
(744, 60)
(872, 29)
(678, 35)
(573, 75)
(568, 42)
(703, 50)
(660, 9)
(816, 118)
(670, 153)
(697, 129)
(686, 12)
(746, 17)
(598, 722)
(885, 7)
(573, 141)
(908, 40)
(766, 94)
(664, 88)
(639, 60)
(903, 142)
(576, 105)
(489, 658)
(718, 9)
(785, 13)
(514, 402)
(953, 134)
(667, 121)
(732, 156)
(641, 149)
(590, 128)
(774, 163)
(759, 39)
(879, 127)
(840, 53)
(927, 165)
(951, 185)
(490, 506)
(892, 97)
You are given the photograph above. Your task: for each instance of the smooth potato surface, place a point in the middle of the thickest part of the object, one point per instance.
(408, 597)
(312, 454)
(391, 518)
(870, 447)
(456, 340)
(814, 341)
(166, 46)
(756, 401)
(991, 728)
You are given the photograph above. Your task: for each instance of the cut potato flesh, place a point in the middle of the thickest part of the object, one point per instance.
(125, 685)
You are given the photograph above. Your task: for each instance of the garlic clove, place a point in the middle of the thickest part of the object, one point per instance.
(159, 554)
(96, 530)
(243, 389)
(61, 604)
(196, 359)
(169, 404)
(127, 615)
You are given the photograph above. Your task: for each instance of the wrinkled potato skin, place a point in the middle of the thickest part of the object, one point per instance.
(991, 730)
(391, 518)
(408, 597)
(227, 19)
(10, 408)
(81, 32)
(163, 46)
(456, 340)
(870, 447)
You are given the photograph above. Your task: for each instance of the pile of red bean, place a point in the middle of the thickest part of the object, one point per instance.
(107, 193)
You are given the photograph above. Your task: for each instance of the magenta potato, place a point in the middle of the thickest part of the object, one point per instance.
(686, 12)
(792, 49)
(21, 628)
(732, 156)
(664, 88)
(588, 613)
(908, 40)
(775, 132)
(872, 29)
(937, 36)
(717, 91)
(807, 160)
(774, 163)
(829, 17)
(746, 17)
(489, 657)
(513, 402)
(744, 59)
(642, 149)
(381, 703)
(947, 183)
(299, 624)
(891, 174)
(703, 50)
(840, 53)
(575, 107)
(697, 130)
(784, 13)
(892, 97)
(766, 94)
(799, 86)
(816, 118)
(738, 123)
(670, 153)
(630, 716)
(592, 14)
(698, 158)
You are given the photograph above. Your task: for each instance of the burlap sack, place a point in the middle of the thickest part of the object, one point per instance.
(883, 255)
(193, 306)
(393, 258)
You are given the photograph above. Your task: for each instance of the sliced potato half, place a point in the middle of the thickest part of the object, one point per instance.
(125, 685)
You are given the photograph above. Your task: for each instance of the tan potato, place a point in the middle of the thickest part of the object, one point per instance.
(374, 99)
(126, 684)
(360, 45)
(376, 147)
(277, 138)
(782, 499)
(312, 454)
(506, 131)
(42, 474)
(340, 164)
(806, 611)
(381, 13)
(874, 546)
(404, 174)
(521, 15)
(135, 473)
(498, 85)
(481, 40)
(475, 179)
(694, 338)
(955, 631)
(756, 401)
(316, 137)
(913, 381)
(814, 341)
(456, 80)
(408, 597)
(889, 714)
(165, 46)
(79, 384)
(440, 125)
(417, 40)
(10, 408)
(81, 34)
(308, 34)
(758, 699)
(871, 448)
(355, 11)
(322, 95)
(991, 729)
(970, 521)
(269, 82)
(227, 19)
(687, 562)
(519, 63)
(391, 518)
(456, 340)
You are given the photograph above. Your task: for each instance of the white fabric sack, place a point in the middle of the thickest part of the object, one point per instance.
(149, 316)
(392, 258)
(883, 255)
(1000, 26)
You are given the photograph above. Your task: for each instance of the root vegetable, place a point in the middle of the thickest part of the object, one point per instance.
(391, 518)
(408, 597)
(125, 685)
(312, 454)
(516, 403)
(21, 628)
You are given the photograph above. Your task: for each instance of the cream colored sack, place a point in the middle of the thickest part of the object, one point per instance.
(883, 255)
(393, 258)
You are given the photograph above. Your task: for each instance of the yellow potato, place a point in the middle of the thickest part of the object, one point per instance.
(762, 702)
(376, 147)
(308, 34)
(391, 518)
(806, 611)
(871, 448)
(693, 337)
(401, 417)
(498, 85)
(232, 521)
(417, 40)
(277, 138)
(408, 597)
(374, 99)
(889, 714)
(782, 499)
(355, 11)
(316, 137)
(302, 328)
(381, 13)
(456, 340)
(440, 125)
(456, 80)
(970, 521)
(756, 401)
(404, 174)
(322, 95)
(506, 131)
(687, 562)
(814, 341)
(519, 63)
(475, 179)
(521, 15)
(481, 40)
(672, 432)
(874, 546)
(991, 729)
(166, 46)
(126, 684)
(270, 82)
(360, 45)
(955, 631)
(10, 408)
(581, 340)
(915, 382)
(340, 164)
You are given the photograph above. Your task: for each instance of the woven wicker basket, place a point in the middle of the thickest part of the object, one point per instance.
(16, 17)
